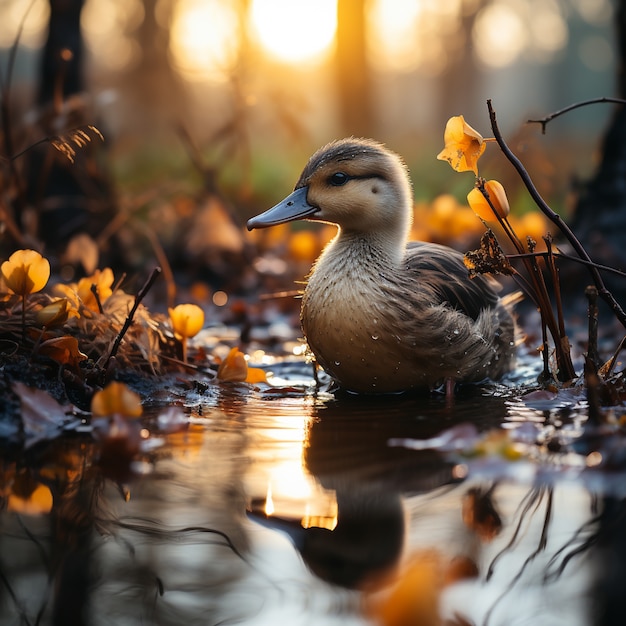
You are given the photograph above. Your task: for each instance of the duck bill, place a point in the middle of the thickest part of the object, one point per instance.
(293, 207)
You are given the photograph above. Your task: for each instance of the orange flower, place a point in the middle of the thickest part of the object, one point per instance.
(81, 294)
(497, 197)
(103, 280)
(116, 399)
(25, 272)
(463, 145)
(187, 320)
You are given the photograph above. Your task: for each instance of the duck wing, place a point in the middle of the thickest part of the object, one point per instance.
(441, 270)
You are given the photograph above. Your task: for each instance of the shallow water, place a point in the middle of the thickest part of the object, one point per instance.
(278, 504)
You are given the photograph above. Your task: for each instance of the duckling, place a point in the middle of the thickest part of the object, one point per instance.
(382, 315)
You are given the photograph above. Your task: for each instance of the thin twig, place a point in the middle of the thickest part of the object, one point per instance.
(560, 255)
(96, 295)
(556, 284)
(548, 118)
(156, 272)
(592, 345)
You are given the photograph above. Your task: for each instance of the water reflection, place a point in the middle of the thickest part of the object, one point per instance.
(360, 532)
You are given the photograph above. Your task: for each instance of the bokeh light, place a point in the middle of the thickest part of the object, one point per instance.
(34, 22)
(294, 31)
(596, 12)
(405, 36)
(205, 39)
(107, 27)
(596, 52)
(499, 35)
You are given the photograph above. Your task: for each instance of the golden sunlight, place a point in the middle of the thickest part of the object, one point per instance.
(205, 39)
(405, 35)
(393, 27)
(294, 31)
(106, 27)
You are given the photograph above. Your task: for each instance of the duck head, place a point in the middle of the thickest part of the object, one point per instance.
(355, 183)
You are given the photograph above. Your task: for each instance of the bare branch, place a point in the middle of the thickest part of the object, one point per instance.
(548, 118)
(604, 293)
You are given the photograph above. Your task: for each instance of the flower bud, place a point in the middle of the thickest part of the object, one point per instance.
(497, 197)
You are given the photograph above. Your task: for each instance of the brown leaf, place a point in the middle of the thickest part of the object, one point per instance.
(42, 416)
(63, 350)
(488, 259)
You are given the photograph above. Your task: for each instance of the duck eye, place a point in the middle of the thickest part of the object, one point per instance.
(338, 178)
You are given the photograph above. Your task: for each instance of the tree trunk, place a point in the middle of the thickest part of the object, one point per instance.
(352, 70)
(63, 53)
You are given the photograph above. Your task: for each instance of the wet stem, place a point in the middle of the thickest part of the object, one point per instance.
(537, 290)
(183, 343)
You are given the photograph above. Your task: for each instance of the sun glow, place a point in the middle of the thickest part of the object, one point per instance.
(294, 31)
(204, 39)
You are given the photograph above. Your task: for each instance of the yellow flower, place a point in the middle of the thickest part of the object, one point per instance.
(116, 399)
(497, 196)
(25, 272)
(463, 145)
(187, 320)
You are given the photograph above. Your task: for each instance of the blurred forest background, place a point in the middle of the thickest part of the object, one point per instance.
(210, 109)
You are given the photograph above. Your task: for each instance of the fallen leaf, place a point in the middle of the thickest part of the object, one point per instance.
(256, 375)
(63, 350)
(116, 399)
(42, 416)
(234, 367)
